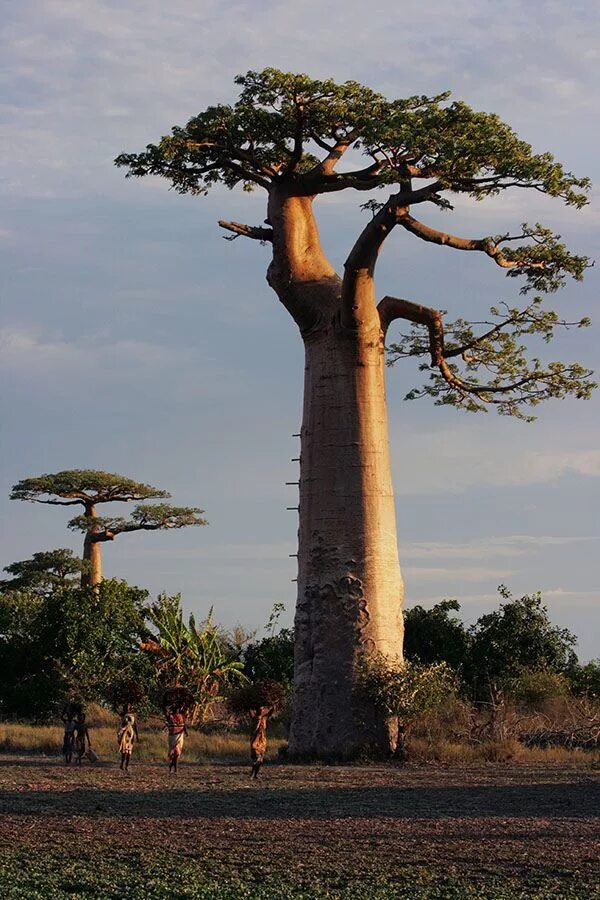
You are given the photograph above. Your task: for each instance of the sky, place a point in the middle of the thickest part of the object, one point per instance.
(134, 339)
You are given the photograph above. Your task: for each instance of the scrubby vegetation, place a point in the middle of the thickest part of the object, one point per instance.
(508, 687)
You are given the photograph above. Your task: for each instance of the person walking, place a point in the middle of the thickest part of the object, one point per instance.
(126, 736)
(81, 736)
(69, 740)
(175, 726)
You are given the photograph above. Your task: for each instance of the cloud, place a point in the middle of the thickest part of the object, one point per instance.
(184, 372)
(219, 553)
(456, 459)
(75, 69)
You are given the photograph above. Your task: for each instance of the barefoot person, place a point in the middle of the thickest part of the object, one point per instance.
(69, 740)
(258, 736)
(176, 729)
(126, 736)
(81, 736)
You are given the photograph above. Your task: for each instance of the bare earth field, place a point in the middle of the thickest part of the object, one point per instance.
(300, 831)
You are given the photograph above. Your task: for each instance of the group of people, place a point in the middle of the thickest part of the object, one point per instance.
(76, 735)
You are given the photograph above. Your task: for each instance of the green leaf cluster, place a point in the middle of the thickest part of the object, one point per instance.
(44, 571)
(495, 368)
(84, 485)
(191, 655)
(284, 124)
(70, 642)
(405, 690)
(145, 517)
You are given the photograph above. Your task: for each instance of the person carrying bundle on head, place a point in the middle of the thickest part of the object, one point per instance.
(175, 726)
(126, 736)
(81, 736)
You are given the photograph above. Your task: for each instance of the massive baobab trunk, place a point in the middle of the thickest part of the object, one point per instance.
(286, 134)
(349, 582)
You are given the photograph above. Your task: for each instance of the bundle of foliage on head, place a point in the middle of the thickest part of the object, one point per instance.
(177, 699)
(250, 699)
(191, 656)
(126, 691)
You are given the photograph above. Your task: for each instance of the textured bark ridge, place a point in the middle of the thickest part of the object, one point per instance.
(349, 582)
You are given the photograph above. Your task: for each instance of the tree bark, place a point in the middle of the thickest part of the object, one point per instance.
(92, 556)
(349, 583)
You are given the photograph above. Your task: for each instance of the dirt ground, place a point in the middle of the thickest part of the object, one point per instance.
(300, 831)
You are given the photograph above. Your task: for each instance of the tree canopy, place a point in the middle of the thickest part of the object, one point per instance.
(288, 132)
(70, 642)
(44, 571)
(83, 487)
(89, 487)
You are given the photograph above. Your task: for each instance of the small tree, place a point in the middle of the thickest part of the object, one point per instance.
(272, 658)
(44, 572)
(191, 656)
(89, 488)
(514, 641)
(70, 642)
(434, 635)
(404, 692)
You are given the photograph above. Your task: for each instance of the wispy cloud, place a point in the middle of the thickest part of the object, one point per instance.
(460, 458)
(80, 67)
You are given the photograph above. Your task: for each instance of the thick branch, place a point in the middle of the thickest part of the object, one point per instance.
(391, 308)
(296, 154)
(358, 299)
(58, 502)
(250, 231)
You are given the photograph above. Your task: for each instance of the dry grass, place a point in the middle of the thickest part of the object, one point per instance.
(455, 753)
(47, 740)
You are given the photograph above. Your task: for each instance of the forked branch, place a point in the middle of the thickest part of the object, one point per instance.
(514, 381)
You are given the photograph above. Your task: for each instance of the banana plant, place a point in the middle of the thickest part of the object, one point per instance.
(192, 656)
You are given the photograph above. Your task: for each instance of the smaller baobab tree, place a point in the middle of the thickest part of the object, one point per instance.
(89, 488)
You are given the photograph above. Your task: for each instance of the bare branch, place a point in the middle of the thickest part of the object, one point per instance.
(250, 231)
(484, 245)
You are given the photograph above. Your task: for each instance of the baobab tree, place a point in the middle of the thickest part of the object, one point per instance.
(89, 488)
(293, 136)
